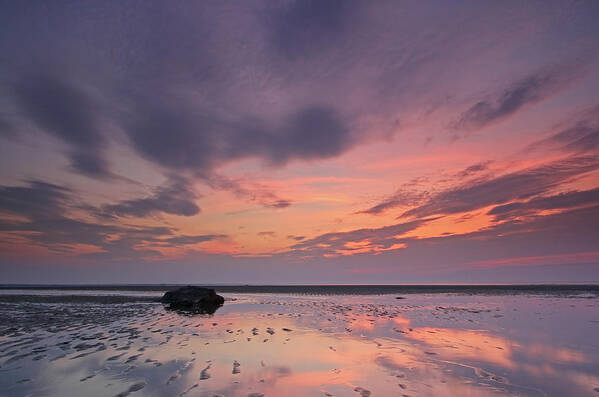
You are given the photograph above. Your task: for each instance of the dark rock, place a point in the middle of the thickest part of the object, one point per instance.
(400, 297)
(193, 299)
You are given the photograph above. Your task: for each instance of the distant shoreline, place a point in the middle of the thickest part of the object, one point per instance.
(338, 289)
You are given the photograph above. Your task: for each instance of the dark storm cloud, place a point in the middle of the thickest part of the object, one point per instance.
(175, 198)
(559, 201)
(529, 90)
(65, 111)
(517, 185)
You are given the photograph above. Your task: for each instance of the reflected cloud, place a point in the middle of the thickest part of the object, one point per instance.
(299, 345)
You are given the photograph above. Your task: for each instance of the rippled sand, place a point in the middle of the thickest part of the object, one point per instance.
(285, 345)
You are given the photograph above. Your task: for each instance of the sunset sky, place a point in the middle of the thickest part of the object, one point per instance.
(260, 142)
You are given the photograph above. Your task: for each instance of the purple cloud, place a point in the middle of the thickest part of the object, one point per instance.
(502, 189)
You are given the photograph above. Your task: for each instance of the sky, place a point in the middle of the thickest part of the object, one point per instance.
(290, 142)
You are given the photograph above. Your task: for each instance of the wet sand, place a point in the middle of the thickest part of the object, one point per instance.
(426, 344)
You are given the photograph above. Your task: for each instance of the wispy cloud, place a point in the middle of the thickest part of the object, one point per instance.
(449, 253)
(357, 241)
(247, 190)
(559, 201)
(520, 185)
(66, 111)
(401, 198)
(527, 91)
(267, 233)
(43, 214)
(581, 135)
(408, 195)
(175, 198)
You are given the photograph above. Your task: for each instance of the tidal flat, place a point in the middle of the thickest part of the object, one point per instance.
(118, 343)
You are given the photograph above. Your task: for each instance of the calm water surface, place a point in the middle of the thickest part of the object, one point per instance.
(302, 345)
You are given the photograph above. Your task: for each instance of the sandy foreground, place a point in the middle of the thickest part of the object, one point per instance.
(120, 344)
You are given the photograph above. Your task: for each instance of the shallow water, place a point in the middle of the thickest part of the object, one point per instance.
(302, 345)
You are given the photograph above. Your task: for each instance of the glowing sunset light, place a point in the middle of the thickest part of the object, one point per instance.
(295, 136)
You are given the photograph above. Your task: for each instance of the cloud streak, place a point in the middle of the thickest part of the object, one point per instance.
(560, 201)
(408, 196)
(42, 215)
(175, 198)
(502, 189)
(527, 91)
(575, 227)
(64, 110)
(366, 240)
(580, 136)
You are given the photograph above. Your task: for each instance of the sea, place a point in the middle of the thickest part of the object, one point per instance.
(301, 340)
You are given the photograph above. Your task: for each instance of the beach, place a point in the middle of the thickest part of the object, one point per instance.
(119, 341)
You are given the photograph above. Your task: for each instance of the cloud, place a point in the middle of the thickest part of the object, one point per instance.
(301, 28)
(574, 228)
(64, 110)
(219, 88)
(296, 238)
(171, 90)
(314, 132)
(529, 90)
(408, 196)
(248, 191)
(474, 169)
(581, 136)
(190, 240)
(266, 233)
(278, 203)
(502, 189)
(175, 198)
(310, 80)
(6, 129)
(357, 241)
(560, 201)
(570, 227)
(43, 215)
(401, 198)
(180, 140)
(580, 139)
(38, 199)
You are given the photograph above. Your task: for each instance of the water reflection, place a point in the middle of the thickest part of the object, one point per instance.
(309, 346)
